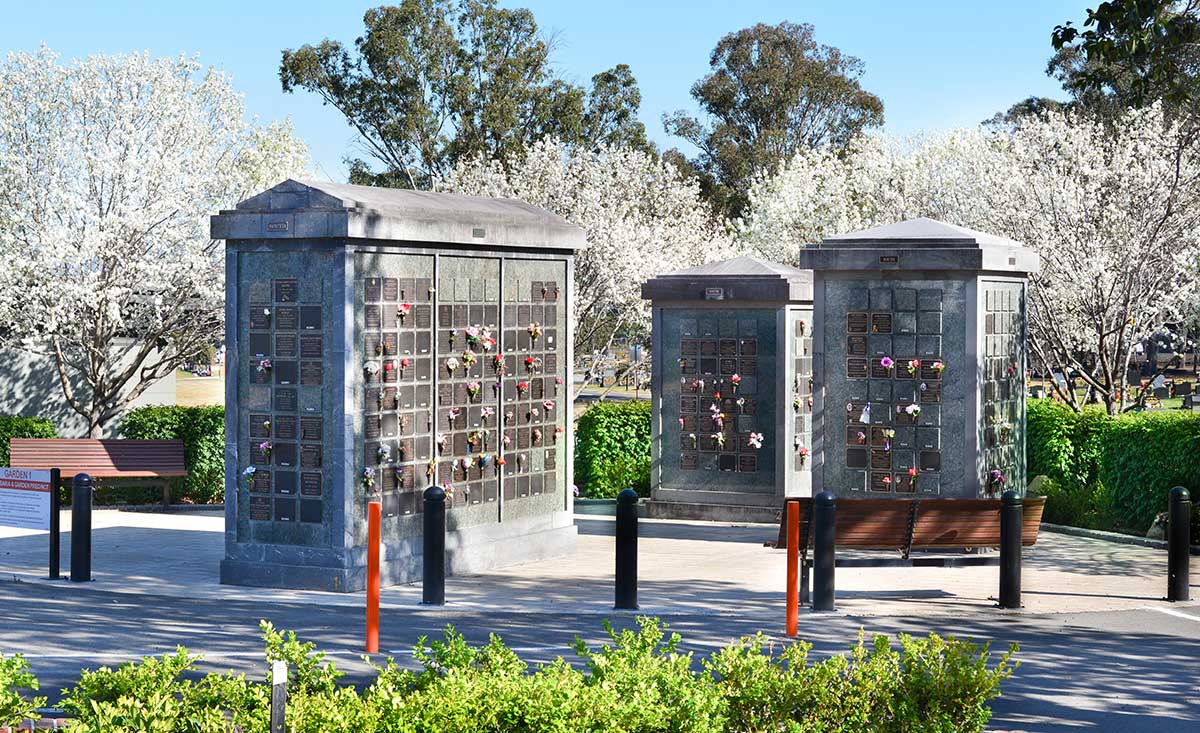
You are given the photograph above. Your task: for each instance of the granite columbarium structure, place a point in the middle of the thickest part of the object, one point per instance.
(731, 389)
(920, 344)
(381, 341)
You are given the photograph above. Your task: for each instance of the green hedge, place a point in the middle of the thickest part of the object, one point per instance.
(637, 681)
(1109, 472)
(202, 430)
(612, 448)
(22, 427)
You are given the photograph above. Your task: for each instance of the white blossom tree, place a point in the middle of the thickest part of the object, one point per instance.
(1112, 207)
(109, 169)
(641, 218)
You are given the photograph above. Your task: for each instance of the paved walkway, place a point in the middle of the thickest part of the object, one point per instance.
(1099, 650)
(686, 567)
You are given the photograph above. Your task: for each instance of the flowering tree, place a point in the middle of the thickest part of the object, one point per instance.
(1113, 208)
(641, 218)
(109, 168)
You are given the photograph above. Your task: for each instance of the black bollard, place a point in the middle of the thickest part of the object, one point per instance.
(1012, 510)
(81, 528)
(1179, 530)
(824, 550)
(433, 580)
(627, 538)
(55, 522)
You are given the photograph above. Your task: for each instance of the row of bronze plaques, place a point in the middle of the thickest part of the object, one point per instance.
(862, 323)
(740, 463)
(863, 368)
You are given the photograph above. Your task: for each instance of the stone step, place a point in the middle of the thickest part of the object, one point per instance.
(717, 496)
(712, 512)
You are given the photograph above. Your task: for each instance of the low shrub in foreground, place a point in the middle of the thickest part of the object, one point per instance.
(639, 681)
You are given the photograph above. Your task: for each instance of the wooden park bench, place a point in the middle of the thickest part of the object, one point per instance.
(113, 461)
(903, 526)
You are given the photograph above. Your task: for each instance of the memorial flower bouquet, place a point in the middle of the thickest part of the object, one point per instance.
(741, 405)
(382, 453)
(913, 473)
(498, 363)
(887, 481)
(522, 387)
(441, 442)
(265, 448)
(389, 366)
(453, 413)
(507, 440)
(371, 368)
(379, 397)
(913, 366)
(248, 474)
(451, 366)
(486, 414)
(861, 437)
(368, 478)
(264, 365)
(887, 362)
(735, 380)
(473, 389)
(938, 366)
(548, 405)
(267, 426)
(453, 335)
(995, 481)
(803, 452)
(430, 470)
(487, 340)
(535, 331)
(536, 436)
(404, 364)
(756, 440)
(532, 415)
(888, 434)
(472, 334)
(802, 325)
(692, 437)
(403, 310)
(500, 462)
(697, 385)
(468, 360)
(912, 410)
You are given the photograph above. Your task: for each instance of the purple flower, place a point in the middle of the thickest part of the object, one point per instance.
(886, 362)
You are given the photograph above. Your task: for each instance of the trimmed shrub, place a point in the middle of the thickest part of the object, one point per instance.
(12, 426)
(612, 448)
(1111, 472)
(15, 708)
(637, 681)
(202, 430)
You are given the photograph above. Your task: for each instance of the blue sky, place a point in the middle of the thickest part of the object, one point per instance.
(935, 64)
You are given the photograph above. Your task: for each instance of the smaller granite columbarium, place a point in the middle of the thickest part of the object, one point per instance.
(731, 389)
(920, 357)
(380, 341)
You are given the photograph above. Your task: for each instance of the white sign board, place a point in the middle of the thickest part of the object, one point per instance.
(24, 498)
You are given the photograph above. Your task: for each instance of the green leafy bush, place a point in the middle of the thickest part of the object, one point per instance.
(637, 681)
(1111, 472)
(202, 430)
(610, 439)
(22, 427)
(15, 677)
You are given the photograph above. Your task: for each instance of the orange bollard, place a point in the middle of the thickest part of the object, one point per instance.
(374, 517)
(793, 568)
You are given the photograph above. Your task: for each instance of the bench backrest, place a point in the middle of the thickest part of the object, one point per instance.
(900, 524)
(104, 458)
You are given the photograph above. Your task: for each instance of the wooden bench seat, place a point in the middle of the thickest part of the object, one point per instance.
(110, 460)
(905, 525)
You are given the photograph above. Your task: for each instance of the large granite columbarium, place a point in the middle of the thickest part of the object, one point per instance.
(920, 357)
(380, 341)
(731, 389)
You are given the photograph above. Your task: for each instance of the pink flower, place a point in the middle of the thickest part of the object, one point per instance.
(886, 362)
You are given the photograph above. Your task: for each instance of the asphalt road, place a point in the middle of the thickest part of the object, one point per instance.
(1123, 671)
